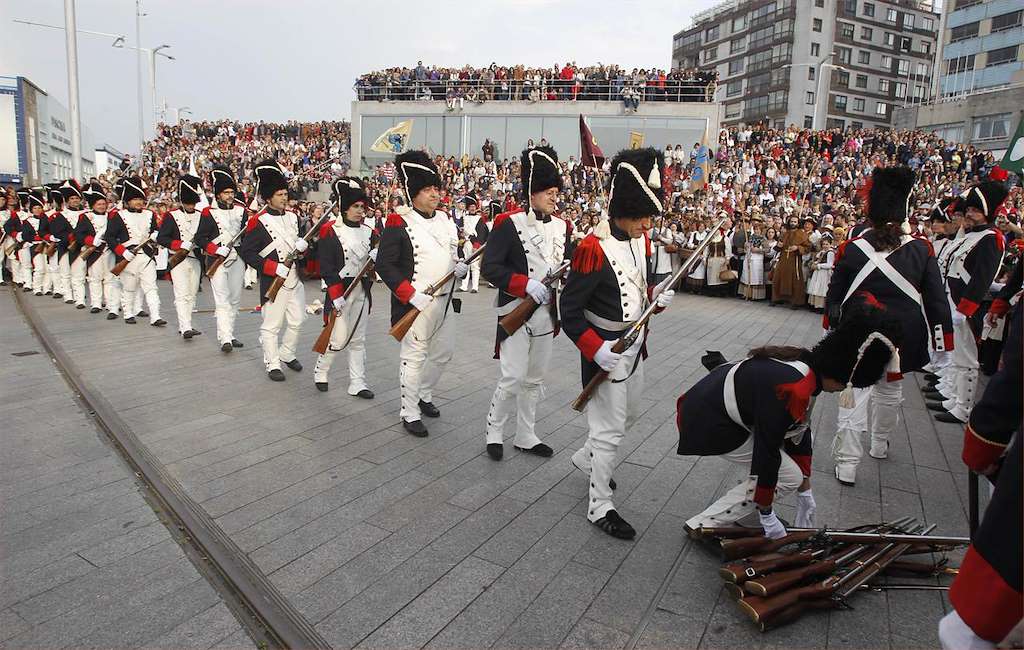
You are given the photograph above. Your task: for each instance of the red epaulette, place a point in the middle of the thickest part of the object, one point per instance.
(394, 221)
(113, 213)
(647, 245)
(253, 220)
(589, 255)
(326, 229)
(1000, 239)
(927, 242)
(798, 395)
(500, 218)
(206, 212)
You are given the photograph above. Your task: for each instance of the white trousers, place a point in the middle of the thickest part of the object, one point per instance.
(51, 279)
(523, 360)
(472, 279)
(140, 274)
(613, 408)
(185, 281)
(287, 311)
(351, 322)
(960, 379)
(739, 501)
(4, 259)
(79, 272)
(19, 270)
(881, 402)
(226, 284)
(251, 278)
(955, 634)
(426, 349)
(104, 286)
(59, 274)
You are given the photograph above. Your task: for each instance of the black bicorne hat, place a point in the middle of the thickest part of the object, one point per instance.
(269, 179)
(222, 179)
(70, 188)
(986, 197)
(347, 191)
(37, 196)
(416, 171)
(190, 189)
(132, 188)
(93, 192)
(539, 170)
(635, 187)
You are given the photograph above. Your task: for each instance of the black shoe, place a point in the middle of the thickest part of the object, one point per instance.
(415, 427)
(934, 396)
(69, 301)
(79, 306)
(158, 322)
(112, 316)
(226, 347)
(143, 314)
(366, 393)
(187, 335)
(26, 289)
(49, 293)
(495, 450)
(95, 310)
(294, 365)
(130, 320)
(539, 449)
(195, 332)
(931, 377)
(57, 296)
(949, 417)
(321, 386)
(428, 409)
(235, 343)
(936, 406)
(615, 526)
(276, 375)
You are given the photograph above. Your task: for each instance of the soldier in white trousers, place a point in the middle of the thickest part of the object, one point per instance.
(93, 261)
(344, 246)
(219, 225)
(178, 235)
(271, 236)
(132, 233)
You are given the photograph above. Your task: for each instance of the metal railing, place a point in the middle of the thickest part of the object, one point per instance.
(478, 90)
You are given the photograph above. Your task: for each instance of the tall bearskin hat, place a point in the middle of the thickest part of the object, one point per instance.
(37, 196)
(269, 179)
(190, 189)
(222, 179)
(986, 196)
(888, 195)
(70, 188)
(93, 192)
(347, 191)
(635, 187)
(53, 193)
(131, 187)
(416, 171)
(863, 346)
(539, 171)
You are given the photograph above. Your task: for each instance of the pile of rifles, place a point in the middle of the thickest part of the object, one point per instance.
(775, 581)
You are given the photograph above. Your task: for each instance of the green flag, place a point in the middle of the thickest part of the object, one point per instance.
(1013, 161)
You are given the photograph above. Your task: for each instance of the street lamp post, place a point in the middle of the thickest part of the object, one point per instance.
(71, 45)
(817, 81)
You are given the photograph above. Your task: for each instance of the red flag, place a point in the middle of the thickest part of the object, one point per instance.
(591, 154)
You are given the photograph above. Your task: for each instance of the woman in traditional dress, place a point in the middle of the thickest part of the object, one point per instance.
(753, 268)
(821, 273)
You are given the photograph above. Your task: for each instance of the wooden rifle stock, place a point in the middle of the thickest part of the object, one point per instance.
(119, 268)
(50, 249)
(289, 259)
(86, 251)
(512, 321)
(734, 549)
(218, 260)
(742, 572)
(322, 341)
(177, 258)
(401, 328)
(636, 328)
(726, 532)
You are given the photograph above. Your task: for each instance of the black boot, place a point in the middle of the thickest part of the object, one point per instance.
(276, 375)
(235, 343)
(321, 386)
(294, 365)
(428, 409)
(495, 450)
(226, 347)
(615, 525)
(415, 427)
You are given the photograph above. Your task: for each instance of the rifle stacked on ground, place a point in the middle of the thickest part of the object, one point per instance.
(776, 581)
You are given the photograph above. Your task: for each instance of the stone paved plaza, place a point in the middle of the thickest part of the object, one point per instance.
(385, 540)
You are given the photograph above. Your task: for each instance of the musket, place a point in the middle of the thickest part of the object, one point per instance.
(401, 328)
(512, 321)
(289, 259)
(322, 341)
(218, 260)
(737, 548)
(637, 328)
(119, 268)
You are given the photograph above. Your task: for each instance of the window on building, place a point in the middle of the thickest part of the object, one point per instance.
(906, 43)
(757, 105)
(759, 82)
(819, 3)
(835, 123)
(815, 49)
(843, 78)
(901, 90)
(711, 34)
(953, 131)
(926, 47)
(736, 66)
(889, 39)
(908, 21)
(869, 9)
(816, 24)
(921, 70)
(736, 45)
(992, 127)
(884, 86)
(963, 4)
(881, 108)
(856, 125)
(732, 110)
(963, 32)
(845, 54)
(846, 30)
(711, 54)
(890, 15)
(809, 97)
(850, 7)
(960, 64)
(861, 81)
(733, 88)
(1001, 56)
(808, 122)
(919, 92)
(866, 33)
(841, 102)
(864, 57)
(810, 74)
(928, 24)
(902, 68)
(858, 104)
(691, 40)
(739, 23)
(1007, 21)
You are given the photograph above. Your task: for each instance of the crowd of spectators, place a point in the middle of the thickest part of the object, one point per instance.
(568, 82)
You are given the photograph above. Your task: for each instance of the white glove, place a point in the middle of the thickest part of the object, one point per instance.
(958, 318)
(18, 237)
(223, 251)
(153, 235)
(339, 302)
(565, 273)
(461, 269)
(536, 290)
(96, 241)
(372, 255)
(664, 298)
(301, 245)
(605, 358)
(420, 300)
(805, 509)
(186, 245)
(128, 255)
(282, 271)
(773, 528)
(661, 286)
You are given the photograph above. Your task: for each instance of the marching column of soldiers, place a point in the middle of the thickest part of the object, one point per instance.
(897, 303)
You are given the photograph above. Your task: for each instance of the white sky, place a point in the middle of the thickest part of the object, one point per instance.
(297, 59)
